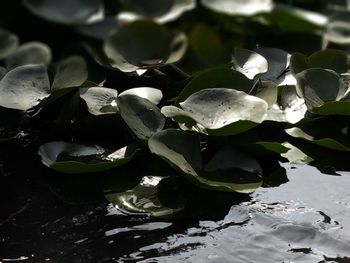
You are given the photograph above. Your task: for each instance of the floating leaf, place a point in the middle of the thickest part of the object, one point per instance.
(216, 78)
(295, 155)
(8, 43)
(336, 60)
(338, 29)
(182, 150)
(99, 30)
(75, 158)
(29, 53)
(329, 133)
(141, 115)
(70, 72)
(239, 8)
(143, 44)
(151, 94)
(218, 112)
(249, 62)
(318, 86)
(291, 19)
(290, 108)
(278, 62)
(153, 9)
(100, 100)
(67, 12)
(24, 87)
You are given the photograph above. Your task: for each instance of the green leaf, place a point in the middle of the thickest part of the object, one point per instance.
(239, 8)
(70, 72)
(292, 19)
(219, 111)
(143, 44)
(153, 8)
(182, 150)
(99, 30)
(8, 43)
(249, 62)
(318, 86)
(333, 108)
(278, 62)
(29, 53)
(141, 115)
(290, 108)
(295, 155)
(100, 100)
(75, 158)
(216, 78)
(151, 94)
(24, 87)
(65, 11)
(336, 60)
(338, 29)
(327, 132)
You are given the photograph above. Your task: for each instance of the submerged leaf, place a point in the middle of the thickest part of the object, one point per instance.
(75, 158)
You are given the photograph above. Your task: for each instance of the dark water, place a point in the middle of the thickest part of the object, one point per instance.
(304, 220)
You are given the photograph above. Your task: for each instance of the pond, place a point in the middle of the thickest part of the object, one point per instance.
(306, 219)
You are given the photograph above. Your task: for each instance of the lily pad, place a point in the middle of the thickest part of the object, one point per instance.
(290, 108)
(249, 63)
(151, 94)
(24, 87)
(336, 60)
(325, 132)
(70, 72)
(99, 30)
(177, 8)
(100, 100)
(67, 12)
(318, 86)
(29, 53)
(292, 19)
(150, 8)
(221, 77)
(182, 150)
(143, 44)
(76, 158)
(8, 43)
(219, 111)
(239, 8)
(141, 115)
(278, 62)
(338, 29)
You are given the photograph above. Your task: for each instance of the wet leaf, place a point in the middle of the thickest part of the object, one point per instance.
(151, 94)
(76, 158)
